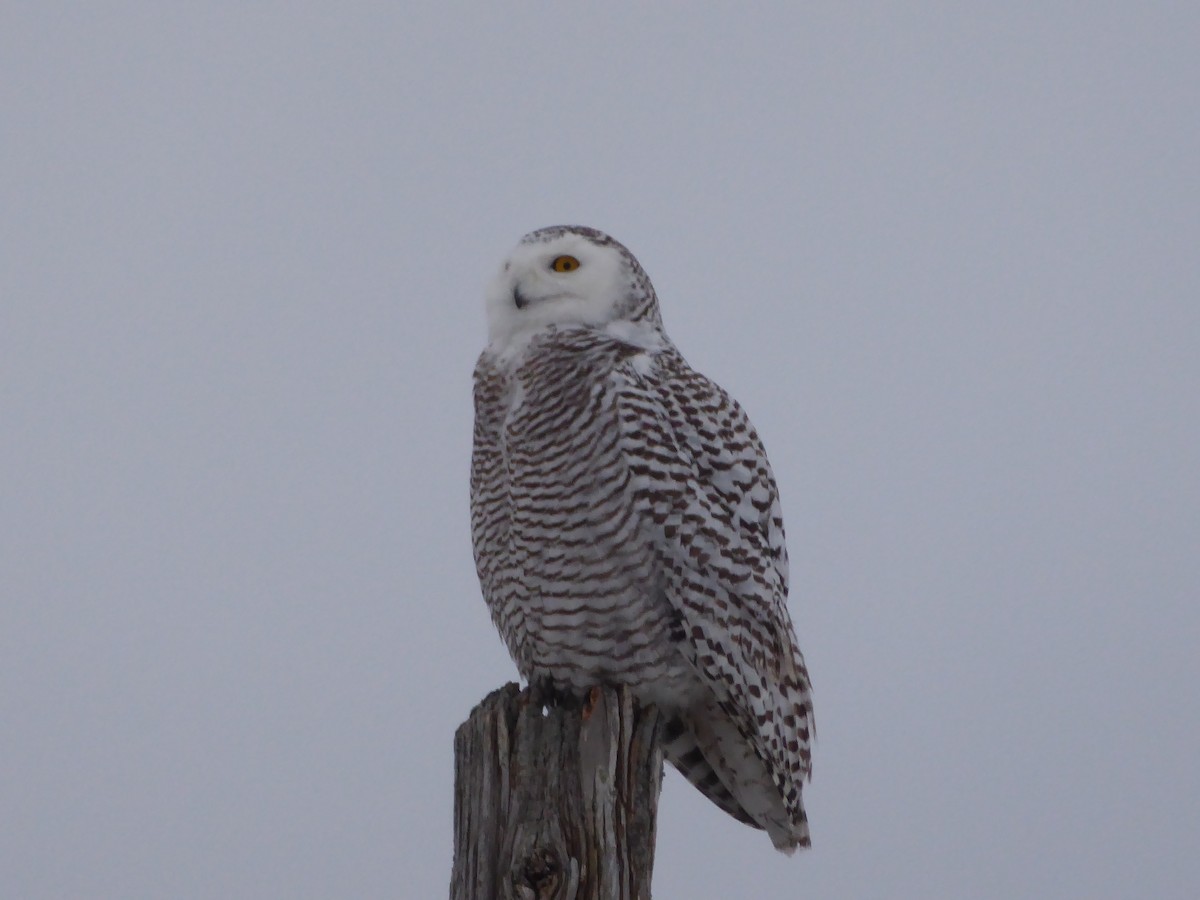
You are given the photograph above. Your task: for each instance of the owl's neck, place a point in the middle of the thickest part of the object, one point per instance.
(511, 351)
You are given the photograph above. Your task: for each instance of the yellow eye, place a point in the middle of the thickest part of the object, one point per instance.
(564, 264)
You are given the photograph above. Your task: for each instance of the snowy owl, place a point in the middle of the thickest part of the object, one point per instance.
(627, 527)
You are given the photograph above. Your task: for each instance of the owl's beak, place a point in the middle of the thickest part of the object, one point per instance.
(520, 301)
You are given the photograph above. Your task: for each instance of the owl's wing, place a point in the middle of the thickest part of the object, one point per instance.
(490, 523)
(489, 529)
(701, 480)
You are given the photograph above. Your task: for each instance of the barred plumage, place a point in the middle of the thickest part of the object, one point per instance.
(627, 527)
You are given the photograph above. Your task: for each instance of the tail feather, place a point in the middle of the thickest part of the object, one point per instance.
(710, 752)
(682, 751)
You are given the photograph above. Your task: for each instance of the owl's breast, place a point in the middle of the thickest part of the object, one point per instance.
(584, 580)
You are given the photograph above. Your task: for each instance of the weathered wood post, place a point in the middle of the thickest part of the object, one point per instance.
(553, 804)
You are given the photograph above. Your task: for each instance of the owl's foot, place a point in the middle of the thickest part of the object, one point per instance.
(542, 692)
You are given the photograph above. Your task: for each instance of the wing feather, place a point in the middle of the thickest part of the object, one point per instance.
(700, 475)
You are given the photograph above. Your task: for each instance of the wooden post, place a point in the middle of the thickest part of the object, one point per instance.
(549, 805)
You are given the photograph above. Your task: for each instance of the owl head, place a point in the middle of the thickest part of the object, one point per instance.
(568, 275)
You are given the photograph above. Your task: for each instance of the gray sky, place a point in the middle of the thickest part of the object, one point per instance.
(946, 258)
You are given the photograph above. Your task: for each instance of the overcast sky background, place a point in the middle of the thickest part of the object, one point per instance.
(947, 257)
